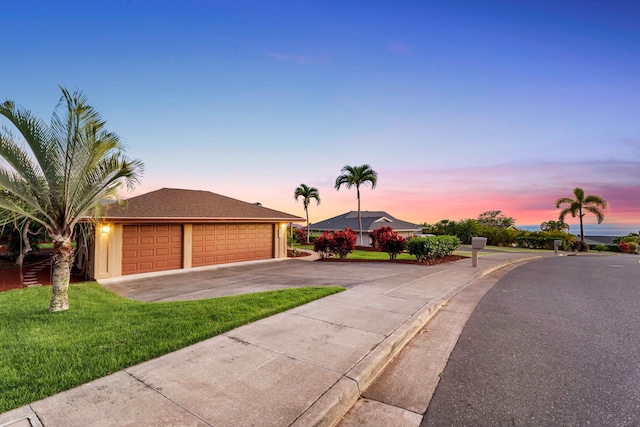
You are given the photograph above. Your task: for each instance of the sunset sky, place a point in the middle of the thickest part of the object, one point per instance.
(460, 106)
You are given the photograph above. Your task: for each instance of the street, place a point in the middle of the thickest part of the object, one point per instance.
(554, 342)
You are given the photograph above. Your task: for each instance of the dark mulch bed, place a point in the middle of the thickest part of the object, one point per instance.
(10, 274)
(299, 254)
(443, 260)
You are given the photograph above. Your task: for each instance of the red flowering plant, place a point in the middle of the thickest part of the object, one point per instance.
(340, 243)
(388, 241)
(300, 234)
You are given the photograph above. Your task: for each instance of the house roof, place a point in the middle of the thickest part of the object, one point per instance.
(371, 220)
(598, 240)
(179, 204)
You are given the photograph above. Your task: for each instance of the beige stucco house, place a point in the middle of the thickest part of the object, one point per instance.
(171, 229)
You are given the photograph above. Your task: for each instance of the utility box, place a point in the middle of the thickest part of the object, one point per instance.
(478, 242)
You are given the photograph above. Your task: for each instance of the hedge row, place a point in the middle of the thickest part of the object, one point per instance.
(432, 246)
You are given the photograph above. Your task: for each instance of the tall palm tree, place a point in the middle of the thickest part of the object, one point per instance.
(357, 176)
(580, 205)
(307, 193)
(74, 164)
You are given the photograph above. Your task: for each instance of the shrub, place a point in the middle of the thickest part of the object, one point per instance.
(580, 247)
(498, 236)
(343, 242)
(600, 248)
(321, 245)
(424, 248)
(340, 243)
(624, 247)
(388, 241)
(544, 240)
(300, 235)
(633, 247)
(375, 235)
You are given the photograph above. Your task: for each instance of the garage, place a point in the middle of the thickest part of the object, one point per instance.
(147, 248)
(176, 229)
(223, 243)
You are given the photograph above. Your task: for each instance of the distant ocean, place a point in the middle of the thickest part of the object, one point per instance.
(593, 229)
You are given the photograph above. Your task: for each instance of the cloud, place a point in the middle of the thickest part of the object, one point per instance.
(298, 58)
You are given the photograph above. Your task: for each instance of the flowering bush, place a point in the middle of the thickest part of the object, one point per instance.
(339, 243)
(387, 240)
(624, 247)
(300, 234)
(375, 235)
(321, 245)
(343, 242)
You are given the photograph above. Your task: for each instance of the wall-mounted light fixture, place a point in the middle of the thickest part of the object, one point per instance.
(105, 229)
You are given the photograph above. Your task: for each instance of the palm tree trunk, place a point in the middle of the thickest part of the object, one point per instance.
(359, 217)
(307, 212)
(581, 227)
(61, 259)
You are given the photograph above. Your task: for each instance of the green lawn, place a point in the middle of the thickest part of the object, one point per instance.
(357, 254)
(42, 354)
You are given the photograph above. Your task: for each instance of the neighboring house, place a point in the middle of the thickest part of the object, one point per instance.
(172, 229)
(597, 240)
(370, 221)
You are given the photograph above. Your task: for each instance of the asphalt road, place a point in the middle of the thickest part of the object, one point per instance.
(555, 342)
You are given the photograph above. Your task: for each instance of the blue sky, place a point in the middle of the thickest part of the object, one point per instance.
(460, 106)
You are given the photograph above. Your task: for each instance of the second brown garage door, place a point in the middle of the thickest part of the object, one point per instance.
(222, 243)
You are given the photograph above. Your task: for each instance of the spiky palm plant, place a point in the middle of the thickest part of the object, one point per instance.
(72, 165)
(356, 176)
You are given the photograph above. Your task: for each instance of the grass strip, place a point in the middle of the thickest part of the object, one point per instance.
(42, 354)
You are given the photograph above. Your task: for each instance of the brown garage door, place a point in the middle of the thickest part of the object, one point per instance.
(221, 243)
(147, 248)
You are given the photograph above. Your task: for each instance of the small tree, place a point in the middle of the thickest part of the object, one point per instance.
(554, 226)
(300, 235)
(495, 219)
(388, 241)
(321, 245)
(375, 235)
(342, 243)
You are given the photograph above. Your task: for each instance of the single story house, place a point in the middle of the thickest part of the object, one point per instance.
(371, 220)
(172, 229)
(597, 240)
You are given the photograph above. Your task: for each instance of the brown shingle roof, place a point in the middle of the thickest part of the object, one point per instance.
(173, 203)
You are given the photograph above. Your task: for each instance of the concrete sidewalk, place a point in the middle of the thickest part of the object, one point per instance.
(304, 367)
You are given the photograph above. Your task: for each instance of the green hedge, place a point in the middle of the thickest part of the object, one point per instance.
(432, 246)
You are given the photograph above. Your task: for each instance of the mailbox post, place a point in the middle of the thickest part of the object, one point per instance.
(477, 244)
(556, 245)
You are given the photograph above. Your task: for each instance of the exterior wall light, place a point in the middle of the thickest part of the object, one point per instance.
(105, 229)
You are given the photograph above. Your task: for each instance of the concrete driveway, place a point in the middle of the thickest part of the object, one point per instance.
(243, 278)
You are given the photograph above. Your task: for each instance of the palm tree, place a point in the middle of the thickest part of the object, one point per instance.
(356, 176)
(577, 207)
(74, 164)
(307, 194)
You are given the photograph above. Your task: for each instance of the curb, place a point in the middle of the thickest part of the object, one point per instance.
(336, 402)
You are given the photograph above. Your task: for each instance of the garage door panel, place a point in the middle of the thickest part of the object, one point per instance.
(232, 243)
(147, 248)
